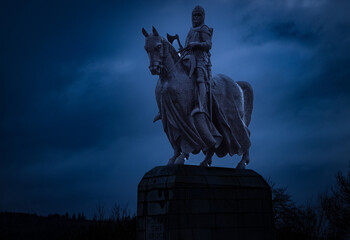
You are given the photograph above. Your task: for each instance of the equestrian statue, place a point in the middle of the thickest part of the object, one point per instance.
(199, 112)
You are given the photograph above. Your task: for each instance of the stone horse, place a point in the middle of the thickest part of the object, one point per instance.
(231, 107)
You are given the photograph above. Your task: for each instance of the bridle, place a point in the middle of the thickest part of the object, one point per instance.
(160, 63)
(163, 56)
(164, 43)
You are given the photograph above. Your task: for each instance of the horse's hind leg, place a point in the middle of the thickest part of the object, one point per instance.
(245, 158)
(208, 159)
(244, 161)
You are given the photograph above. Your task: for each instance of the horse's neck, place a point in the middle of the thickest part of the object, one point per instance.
(172, 65)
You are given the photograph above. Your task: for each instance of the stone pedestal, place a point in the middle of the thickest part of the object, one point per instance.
(200, 203)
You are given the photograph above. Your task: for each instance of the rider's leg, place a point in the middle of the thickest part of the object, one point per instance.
(199, 114)
(201, 122)
(201, 92)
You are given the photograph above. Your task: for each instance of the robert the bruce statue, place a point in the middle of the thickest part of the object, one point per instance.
(198, 112)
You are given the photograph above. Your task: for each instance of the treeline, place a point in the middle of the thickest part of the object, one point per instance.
(328, 219)
(120, 224)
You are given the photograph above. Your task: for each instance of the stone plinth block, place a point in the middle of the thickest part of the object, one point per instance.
(186, 202)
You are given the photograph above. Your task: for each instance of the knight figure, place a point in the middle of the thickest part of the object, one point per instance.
(198, 41)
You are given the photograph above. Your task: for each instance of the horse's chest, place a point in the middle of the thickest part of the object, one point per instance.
(177, 93)
(169, 89)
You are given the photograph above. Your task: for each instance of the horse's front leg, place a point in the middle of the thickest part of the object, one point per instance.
(180, 160)
(244, 161)
(177, 153)
(208, 159)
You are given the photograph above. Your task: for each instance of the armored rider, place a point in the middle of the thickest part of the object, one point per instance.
(198, 42)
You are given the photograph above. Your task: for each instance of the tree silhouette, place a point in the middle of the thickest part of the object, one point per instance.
(293, 221)
(336, 205)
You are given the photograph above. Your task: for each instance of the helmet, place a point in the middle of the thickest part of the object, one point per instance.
(198, 15)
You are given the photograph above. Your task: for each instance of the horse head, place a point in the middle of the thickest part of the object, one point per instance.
(162, 55)
(155, 49)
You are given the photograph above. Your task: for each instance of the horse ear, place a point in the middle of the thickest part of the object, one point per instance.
(145, 33)
(155, 33)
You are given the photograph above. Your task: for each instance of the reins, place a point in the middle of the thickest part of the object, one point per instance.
(182, 56)
(172, 68)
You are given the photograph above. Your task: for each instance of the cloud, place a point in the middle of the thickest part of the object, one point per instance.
(77, 99)
(110, 66)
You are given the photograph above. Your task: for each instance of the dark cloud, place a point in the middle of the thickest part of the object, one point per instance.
(301, 119)
(290, 31)
(77, 100)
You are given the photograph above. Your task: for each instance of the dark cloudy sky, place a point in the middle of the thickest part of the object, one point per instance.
(77, 100)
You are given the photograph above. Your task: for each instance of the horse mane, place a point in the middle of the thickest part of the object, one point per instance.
(172, 51)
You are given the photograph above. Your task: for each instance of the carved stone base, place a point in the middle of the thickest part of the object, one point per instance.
(199, 203)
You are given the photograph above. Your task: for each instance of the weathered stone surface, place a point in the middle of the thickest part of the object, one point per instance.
(191, 202)
(199, 112)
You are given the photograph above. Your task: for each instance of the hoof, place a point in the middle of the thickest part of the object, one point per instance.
(179, 161)
(187, 156)
(173, 158)
(210, 162)
(204, 164)
(241, 165)
(171, 161)
(207, 160)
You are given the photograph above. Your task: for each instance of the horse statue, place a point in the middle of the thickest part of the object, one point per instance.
(231, 107)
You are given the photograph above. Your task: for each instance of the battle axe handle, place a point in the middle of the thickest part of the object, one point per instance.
(172, 38)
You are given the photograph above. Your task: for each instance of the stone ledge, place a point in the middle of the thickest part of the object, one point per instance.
(191, 170)
(191, 202)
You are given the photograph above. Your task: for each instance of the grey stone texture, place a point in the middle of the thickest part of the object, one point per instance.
(199, 112)
(201, 203)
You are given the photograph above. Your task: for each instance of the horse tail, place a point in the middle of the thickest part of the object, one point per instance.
(248, 100)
